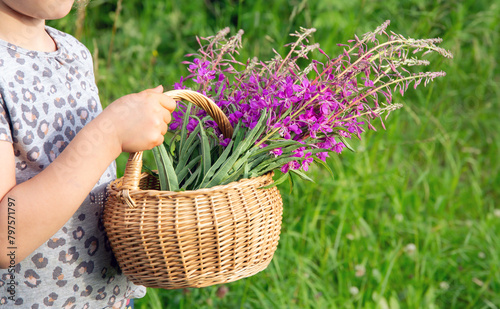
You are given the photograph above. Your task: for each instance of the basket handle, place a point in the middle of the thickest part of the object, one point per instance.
(133, 168)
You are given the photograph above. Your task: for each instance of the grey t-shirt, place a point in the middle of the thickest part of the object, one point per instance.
(45, 100)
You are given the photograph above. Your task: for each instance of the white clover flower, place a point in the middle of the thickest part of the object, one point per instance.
(444, 285)
(496, 212)
(360, 270)
(410, 249)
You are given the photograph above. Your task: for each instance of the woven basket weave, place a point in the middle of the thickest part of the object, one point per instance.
(172, 240)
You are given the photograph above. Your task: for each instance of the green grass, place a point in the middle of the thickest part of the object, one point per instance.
(430, 182)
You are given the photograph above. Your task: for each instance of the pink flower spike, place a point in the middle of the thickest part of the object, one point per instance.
(276, 152)
(309, 105)
(322, 156)
(306, 163)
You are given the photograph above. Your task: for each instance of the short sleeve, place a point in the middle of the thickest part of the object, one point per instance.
(5, 131)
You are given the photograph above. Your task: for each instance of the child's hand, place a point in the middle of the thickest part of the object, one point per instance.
(141, 119)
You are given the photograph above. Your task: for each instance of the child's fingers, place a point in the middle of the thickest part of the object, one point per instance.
(150, 91)
(167, 118)
(157, 89)
(164, 128)
(167, 102)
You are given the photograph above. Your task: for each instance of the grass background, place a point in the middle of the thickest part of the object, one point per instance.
(412, 219)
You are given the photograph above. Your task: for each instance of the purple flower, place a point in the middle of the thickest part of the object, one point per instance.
(312, 105)
(224, 141)
(173, 126)
(276, 152)
(285, 133)
(192, 123)
(308, 160)
(338, 147)
(294, 128)
(327, 142)
(201, 73)
(287, 127)
(322, 156)
(355, 127)
(294, 165)
(180, 85)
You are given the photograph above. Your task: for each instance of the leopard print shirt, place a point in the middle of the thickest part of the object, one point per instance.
(45, 100)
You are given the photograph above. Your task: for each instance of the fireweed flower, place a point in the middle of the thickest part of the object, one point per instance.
(294, 165)
(302, 110)
(276, 152)
(308, 160)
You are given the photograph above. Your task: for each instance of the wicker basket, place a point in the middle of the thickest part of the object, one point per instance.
(198, 238)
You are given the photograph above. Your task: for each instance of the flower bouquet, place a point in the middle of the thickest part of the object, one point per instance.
(211, 213)
(287, 112)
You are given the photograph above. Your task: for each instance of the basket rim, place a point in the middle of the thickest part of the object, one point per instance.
(114, 189)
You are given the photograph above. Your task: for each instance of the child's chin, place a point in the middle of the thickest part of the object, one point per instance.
(55, 9)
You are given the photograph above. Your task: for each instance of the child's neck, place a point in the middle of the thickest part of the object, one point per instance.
(24, 31)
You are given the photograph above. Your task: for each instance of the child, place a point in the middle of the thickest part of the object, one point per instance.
(57, 152)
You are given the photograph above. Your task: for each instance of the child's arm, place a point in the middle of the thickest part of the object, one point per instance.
(44, 203)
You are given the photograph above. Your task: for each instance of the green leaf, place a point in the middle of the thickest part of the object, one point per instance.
(255, 133)
(302, 175)
(207, 177)
(206, 160)
(172, 146)
(285, 114)
(161, 168)
(165, 169)
(274, 163)
(185, 122)
(238, 134)
(274, 145)
(183, 173)
(233, 177)
(223, 174)
(247, 146)
(235, 160)
(187, 149)
(323, 164)
(246, 169)
(243, 159)
(279, 181)
(346, 143)
(150, 171)
(254, 162)
(192, 179)
(171, 176)
(219, 174)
